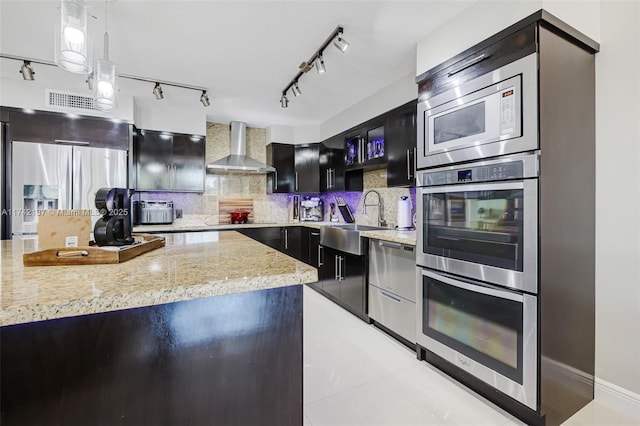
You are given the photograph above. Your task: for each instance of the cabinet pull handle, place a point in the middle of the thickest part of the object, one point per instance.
(468, 64)
(408, 164)
(315, 234)
(68, 142)
(333, 178)
(415, 162)
(341, 268)
(286, 239)
(390, 245)
(390, 297)
(335, 268)
(320, 262)
(296, 181)
(328, 179)
(275, 181)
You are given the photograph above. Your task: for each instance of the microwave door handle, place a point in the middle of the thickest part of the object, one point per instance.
(468, 64)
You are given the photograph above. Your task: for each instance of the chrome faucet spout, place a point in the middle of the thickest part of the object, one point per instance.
(379, 204)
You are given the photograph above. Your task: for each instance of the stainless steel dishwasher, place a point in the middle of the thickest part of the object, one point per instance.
(392, 287)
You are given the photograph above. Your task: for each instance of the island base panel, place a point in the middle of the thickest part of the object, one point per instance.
(227, 360)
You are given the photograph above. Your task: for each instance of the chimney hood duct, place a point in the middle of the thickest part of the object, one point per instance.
(238, 162)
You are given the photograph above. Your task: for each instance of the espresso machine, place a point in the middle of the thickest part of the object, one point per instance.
(311, 209)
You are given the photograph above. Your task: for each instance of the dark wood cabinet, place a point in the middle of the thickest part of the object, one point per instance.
(400, 127)
(332, 164)
(270, 236)
(307, 168)
(291, 241)
(168, 161)
(51, 127)
(281, 156)
(343, 278)
(312, 244)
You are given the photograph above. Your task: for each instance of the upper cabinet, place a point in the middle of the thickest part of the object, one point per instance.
(307, 168)
(400, 127)
(281, 156)
(169, 161)
(332, 164)
(365, 145)
(52, 127)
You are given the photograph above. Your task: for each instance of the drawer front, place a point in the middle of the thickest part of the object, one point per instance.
(394, 312)
(392, 267)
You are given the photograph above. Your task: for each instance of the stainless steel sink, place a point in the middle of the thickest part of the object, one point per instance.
(345, 237)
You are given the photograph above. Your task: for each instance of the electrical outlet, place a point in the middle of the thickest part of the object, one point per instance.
(178, 213)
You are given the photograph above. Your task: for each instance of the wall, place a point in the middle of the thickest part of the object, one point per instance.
(618, 199)
(165, 116)
(615, 24)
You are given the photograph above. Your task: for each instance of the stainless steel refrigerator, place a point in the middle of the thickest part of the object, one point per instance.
(56, 176)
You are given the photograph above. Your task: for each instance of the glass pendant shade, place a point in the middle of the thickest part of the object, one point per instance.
(105, 85)
(72, 53)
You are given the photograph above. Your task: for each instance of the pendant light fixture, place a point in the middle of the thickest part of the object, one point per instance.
(105, 87)
(72, 52)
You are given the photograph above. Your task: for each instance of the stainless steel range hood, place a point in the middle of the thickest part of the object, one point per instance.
(238, 162)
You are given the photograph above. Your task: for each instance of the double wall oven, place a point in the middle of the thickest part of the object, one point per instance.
(477, 243)
(477, 253)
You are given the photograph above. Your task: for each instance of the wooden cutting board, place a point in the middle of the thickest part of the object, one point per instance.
(227, 205)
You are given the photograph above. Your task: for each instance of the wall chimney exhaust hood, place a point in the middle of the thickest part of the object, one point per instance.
(238, 162)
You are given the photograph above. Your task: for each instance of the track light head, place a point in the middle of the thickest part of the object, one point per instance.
(204, 98)
(295, 89)
(89, 80)
(27, 71)
(284, 102)
(341, 43)
(157, 91)
(319, 64)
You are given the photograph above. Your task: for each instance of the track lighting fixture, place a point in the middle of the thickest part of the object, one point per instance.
(295, 89)
(89, 80)
(317, 61)
(204, 98)
(27, 71)
(319, 64)
(341, 43)
(157, 91)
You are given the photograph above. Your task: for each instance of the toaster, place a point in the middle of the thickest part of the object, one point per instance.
(155, 212)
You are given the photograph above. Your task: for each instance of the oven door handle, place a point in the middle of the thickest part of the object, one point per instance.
(503, 294)
(464, 187)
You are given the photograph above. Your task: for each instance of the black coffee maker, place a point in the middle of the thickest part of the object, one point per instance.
(114, 227)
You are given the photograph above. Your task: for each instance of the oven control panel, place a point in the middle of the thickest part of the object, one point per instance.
(479, 173)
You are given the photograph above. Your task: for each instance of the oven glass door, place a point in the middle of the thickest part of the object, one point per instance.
(482, 226)
(481, 326)
(486, 330)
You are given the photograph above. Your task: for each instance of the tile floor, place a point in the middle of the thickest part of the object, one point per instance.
(356, 375)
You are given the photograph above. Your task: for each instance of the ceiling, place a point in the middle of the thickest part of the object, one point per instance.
(244, 52)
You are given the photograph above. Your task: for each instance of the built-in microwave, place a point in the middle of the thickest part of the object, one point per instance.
(493, 114)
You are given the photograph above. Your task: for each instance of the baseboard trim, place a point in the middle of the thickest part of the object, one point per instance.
(618, 398)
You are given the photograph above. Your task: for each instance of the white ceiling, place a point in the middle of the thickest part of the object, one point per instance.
(244, 52)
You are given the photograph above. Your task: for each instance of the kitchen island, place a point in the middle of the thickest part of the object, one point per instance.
(206, 330)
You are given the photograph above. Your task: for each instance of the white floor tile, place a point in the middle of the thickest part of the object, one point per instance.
(355, 375)
(597, 414)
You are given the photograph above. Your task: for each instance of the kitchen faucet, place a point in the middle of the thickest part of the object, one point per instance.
(381, 221)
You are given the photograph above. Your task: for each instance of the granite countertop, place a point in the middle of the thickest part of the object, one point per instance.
(190, 266)
(405, 237)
